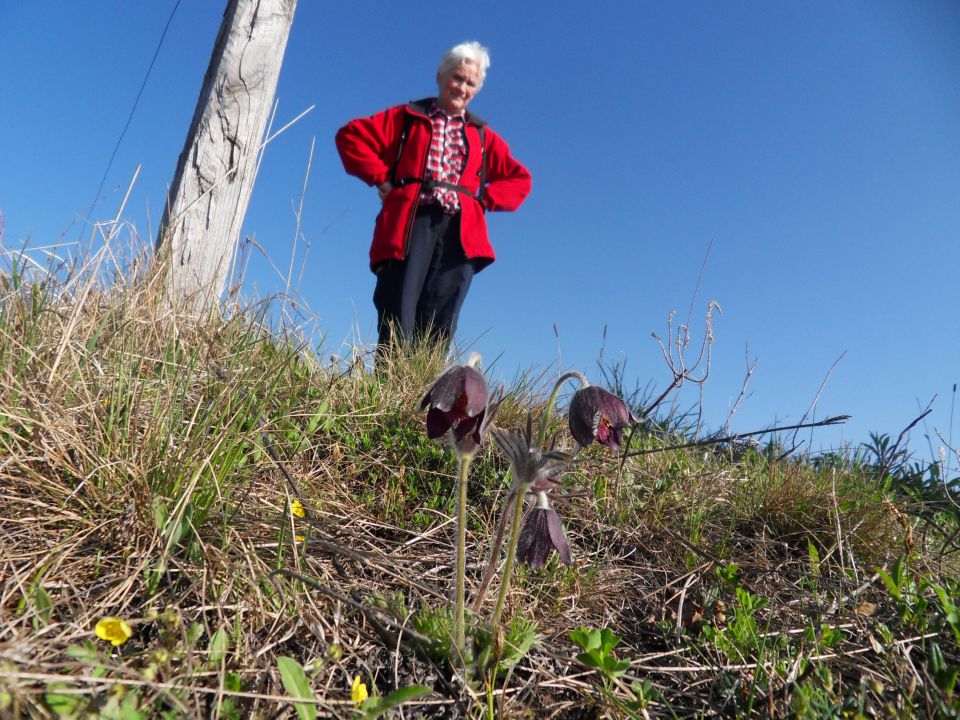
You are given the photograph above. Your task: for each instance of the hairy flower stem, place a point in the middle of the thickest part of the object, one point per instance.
(464, 466)
(511, 550)
(494, 553)
(545, 420)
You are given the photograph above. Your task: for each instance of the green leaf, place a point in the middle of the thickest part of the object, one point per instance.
(402, 695)
(892, 586)
(608, 641)
(63, 705)
(580, 637)
(951, 612)
(319, 416)
(92, 342)
(814, 556)
(159, 512)
(946, 679)
(945, 600)
(592, 658)
(296, 684)
(728, 573)
(517, 645)
(615, 668)
(42, 603)
(126, 710)
(88, 654)
(232, 682)
(84, 653)
(587, 639)
(194, 633)
(219, 644)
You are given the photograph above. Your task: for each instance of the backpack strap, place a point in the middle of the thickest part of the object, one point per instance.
(483, 162)
(407, 122)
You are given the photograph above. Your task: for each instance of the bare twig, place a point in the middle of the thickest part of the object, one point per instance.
(839, 419)
(816, 397)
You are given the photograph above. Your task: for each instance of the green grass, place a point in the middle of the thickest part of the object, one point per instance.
(148, 464)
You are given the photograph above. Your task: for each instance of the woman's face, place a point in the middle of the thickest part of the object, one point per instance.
(457, 88)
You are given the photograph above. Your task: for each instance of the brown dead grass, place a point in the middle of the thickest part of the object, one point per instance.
(80, 540)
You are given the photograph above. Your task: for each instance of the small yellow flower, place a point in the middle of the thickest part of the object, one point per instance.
(300, 538)
(296, 507)
(114, 629)
(358, 693)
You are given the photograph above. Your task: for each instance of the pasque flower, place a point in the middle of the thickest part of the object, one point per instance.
(457, 403)
(542, 533)
(596, 414)
(531, 468)
(458, 408)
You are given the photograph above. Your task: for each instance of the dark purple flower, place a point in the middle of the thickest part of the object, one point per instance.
(458, 402)
(596, 414)
(541, 534)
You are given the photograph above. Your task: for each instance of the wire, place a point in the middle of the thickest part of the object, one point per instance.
(126, 126)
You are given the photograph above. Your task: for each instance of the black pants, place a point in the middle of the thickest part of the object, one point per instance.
(423, 294)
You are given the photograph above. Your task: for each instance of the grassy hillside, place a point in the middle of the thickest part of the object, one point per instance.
(268, 525)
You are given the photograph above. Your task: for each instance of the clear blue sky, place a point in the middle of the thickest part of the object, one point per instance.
(815, 145)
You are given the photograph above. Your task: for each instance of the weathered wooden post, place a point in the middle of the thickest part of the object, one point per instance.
(217, 167)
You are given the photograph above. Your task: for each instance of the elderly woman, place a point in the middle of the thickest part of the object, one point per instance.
(437, 168)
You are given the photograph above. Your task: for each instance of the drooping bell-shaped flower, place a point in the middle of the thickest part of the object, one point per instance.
(596, 414)
(457, 403)
(542, 533)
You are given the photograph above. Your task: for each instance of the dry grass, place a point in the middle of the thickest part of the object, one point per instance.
(148, 465)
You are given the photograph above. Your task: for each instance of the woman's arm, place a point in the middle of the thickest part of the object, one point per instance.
(368, 146)
(508, 181)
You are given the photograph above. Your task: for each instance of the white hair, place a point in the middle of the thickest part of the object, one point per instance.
(472, 53)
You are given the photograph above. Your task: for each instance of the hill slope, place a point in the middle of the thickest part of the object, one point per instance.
(234, 501)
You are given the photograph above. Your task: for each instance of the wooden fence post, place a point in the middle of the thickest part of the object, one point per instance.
(217, 167)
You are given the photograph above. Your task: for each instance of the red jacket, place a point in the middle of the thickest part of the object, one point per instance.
(368, 148)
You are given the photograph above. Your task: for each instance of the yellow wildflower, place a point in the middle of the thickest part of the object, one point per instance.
(296, 507)
(114, 629)
(358, 693)
(300, 538)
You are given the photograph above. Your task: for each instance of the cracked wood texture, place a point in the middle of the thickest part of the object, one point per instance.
(218, 165)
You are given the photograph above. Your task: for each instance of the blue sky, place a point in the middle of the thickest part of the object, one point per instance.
(815, 147)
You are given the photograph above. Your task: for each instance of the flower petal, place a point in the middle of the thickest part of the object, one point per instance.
(469, 427)
(458, 400)
(534, 544)
(597, 414)
(438, 422)
(114, 629)
(557, 538)
(528, 534)
(607, 433)
(475, 386)
(445, 390)
(358, 691)
(449, 389)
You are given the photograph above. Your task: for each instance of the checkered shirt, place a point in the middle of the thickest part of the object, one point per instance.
(446, 158)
